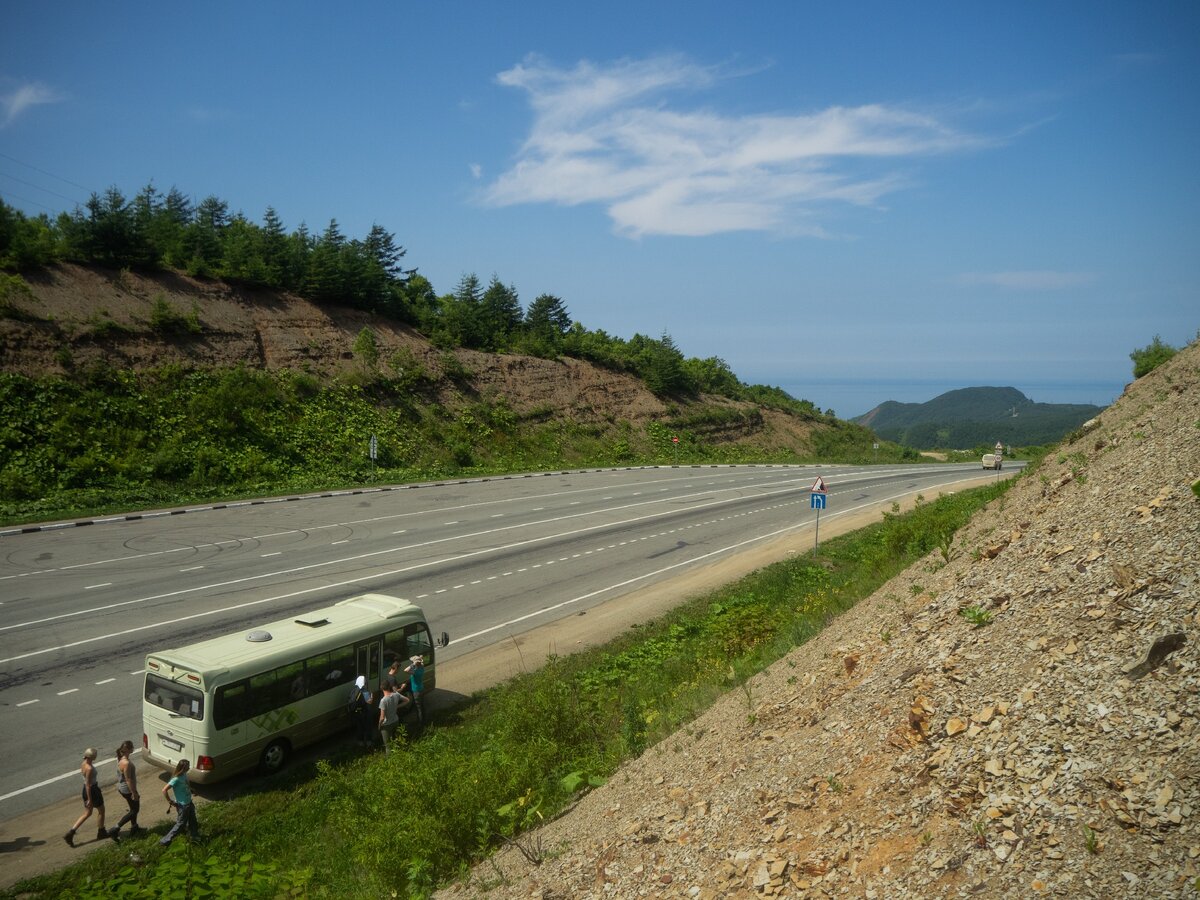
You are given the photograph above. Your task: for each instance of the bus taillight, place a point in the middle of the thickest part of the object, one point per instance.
(205, 764)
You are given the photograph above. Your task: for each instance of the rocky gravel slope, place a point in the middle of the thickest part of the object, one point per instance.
(1019, 720)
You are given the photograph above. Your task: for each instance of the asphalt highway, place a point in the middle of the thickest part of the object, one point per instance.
(485, 558)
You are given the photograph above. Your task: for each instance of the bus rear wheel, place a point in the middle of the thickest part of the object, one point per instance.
(274, 757)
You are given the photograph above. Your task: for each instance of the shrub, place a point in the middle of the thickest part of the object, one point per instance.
(165, 319)
(1150, 357)
(13, 290)
(366, 348)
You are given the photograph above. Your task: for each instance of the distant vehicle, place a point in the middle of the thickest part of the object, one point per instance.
(249, 699)
(992, 460)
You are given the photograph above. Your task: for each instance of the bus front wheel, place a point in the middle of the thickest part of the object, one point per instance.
(274, 757)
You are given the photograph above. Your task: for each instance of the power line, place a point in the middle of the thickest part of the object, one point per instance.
(40, 188)
(50, 174)
(27, 200)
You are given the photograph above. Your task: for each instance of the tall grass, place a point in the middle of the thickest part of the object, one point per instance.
(517, 754)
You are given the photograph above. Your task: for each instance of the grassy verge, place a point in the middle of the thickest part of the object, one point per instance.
(492, 768)
(109, 441)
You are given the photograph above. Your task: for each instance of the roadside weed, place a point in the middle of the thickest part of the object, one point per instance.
(976, 615)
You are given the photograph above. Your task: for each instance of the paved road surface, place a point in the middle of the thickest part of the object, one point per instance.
(506, 565)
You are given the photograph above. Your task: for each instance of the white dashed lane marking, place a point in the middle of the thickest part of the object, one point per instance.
(614, 546)
(140, 672)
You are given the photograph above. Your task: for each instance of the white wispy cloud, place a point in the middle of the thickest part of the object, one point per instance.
(605, 134)
(1028, 280)
(476, 170)
(22, 98)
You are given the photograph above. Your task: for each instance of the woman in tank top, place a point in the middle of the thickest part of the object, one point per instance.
(127, 787)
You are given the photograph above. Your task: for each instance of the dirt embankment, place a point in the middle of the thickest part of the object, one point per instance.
(77, 317)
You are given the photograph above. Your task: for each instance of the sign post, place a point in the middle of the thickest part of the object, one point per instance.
(818, 494)
(373, 450)
(675, 444)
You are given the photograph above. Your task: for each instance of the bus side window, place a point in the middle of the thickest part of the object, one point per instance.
(230, 705)
(393, 646)
(262, 694)
(289, 683)
(418, 643)
(316, 669)
(341, 667)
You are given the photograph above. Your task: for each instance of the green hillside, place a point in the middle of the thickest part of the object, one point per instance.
(969, 417)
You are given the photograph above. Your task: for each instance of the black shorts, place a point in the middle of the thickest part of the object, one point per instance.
(97, 797)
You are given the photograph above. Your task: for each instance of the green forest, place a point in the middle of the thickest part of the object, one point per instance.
(106, 438)
(977, 417)
(157, 231)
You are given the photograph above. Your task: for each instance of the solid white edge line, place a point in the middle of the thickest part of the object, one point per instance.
(33, 787)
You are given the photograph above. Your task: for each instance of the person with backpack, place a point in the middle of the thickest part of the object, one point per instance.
(361, 708)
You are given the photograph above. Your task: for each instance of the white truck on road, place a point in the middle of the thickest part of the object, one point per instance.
(992, 460)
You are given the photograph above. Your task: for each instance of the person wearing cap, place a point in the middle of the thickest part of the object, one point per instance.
(92, 799)
(416, 684)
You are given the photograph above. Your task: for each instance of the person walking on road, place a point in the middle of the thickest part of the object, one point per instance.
(127, 788)
(185, 808)
(92, 799)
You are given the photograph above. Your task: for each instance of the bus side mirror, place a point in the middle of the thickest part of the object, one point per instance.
(443, 640)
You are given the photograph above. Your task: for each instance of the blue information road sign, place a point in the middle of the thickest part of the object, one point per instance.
(817, 501)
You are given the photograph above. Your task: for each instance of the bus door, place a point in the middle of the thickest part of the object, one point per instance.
(368, 659)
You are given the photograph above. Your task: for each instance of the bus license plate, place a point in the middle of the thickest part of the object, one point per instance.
(171, 743)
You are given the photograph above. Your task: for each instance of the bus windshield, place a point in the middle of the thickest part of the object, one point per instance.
(174, 697)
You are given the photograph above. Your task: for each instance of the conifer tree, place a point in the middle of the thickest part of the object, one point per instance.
(500, 315)
(273, 247)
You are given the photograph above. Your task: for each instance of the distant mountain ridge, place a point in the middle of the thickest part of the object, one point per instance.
(968, 417)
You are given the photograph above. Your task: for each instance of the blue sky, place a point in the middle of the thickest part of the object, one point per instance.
(854, 202)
